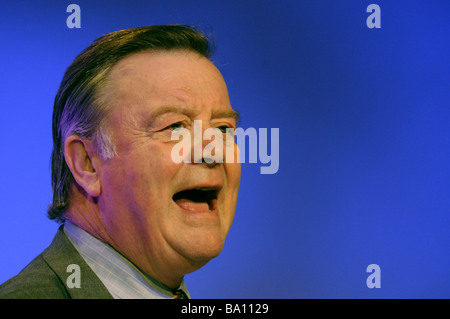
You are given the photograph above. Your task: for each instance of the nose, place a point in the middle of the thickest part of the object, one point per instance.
(208, 144)
(210, 162)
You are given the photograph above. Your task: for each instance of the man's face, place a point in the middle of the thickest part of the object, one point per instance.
(144, 208)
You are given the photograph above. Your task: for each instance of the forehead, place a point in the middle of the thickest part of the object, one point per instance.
(175, 77)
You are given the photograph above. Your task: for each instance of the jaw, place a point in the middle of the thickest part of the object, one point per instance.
(196, 236)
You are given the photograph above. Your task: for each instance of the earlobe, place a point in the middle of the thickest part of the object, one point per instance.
(79, 154)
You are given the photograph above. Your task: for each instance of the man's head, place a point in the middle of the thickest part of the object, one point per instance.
(112, 172)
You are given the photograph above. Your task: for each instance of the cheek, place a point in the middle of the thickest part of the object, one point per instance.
(157, 168)
(152, 174)
(138, 178)
(233, 167)
(233, 174)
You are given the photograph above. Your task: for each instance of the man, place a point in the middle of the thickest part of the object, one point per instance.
(134, 221)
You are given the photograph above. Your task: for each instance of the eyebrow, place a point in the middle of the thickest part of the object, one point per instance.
(191, 112)
(228, 114)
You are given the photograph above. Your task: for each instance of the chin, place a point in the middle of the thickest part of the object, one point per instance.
(202, 250)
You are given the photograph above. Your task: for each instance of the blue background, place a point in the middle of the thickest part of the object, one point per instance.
(364, 120)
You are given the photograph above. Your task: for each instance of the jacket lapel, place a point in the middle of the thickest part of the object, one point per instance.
(59, 255)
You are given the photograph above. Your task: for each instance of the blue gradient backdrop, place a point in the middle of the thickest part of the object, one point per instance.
(364, 120)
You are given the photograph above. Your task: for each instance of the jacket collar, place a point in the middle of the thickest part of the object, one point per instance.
(59, 255)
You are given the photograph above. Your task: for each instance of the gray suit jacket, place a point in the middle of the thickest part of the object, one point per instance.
(46, 276)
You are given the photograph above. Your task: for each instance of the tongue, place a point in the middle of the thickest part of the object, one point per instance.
(201, 207)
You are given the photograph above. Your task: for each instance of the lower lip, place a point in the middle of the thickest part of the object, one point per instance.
(198, 209)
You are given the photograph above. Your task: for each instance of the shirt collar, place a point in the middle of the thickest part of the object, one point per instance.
(120, 276)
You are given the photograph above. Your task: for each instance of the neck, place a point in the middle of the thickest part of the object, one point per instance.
(85, 214)
(87, 219)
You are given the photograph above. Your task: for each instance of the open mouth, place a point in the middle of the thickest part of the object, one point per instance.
(198, 199)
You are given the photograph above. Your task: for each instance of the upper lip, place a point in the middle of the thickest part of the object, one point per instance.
(217, 186)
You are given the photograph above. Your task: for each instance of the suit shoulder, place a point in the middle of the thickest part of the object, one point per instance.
(36, 281)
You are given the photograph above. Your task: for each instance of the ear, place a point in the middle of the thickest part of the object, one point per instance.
(81, 157)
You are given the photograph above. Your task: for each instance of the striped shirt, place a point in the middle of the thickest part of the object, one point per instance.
(122, 278)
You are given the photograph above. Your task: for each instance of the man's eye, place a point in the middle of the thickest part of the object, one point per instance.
(175, 126)
(224, 128)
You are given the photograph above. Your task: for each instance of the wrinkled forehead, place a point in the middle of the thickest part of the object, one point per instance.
(165, 70)
(146, 81)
